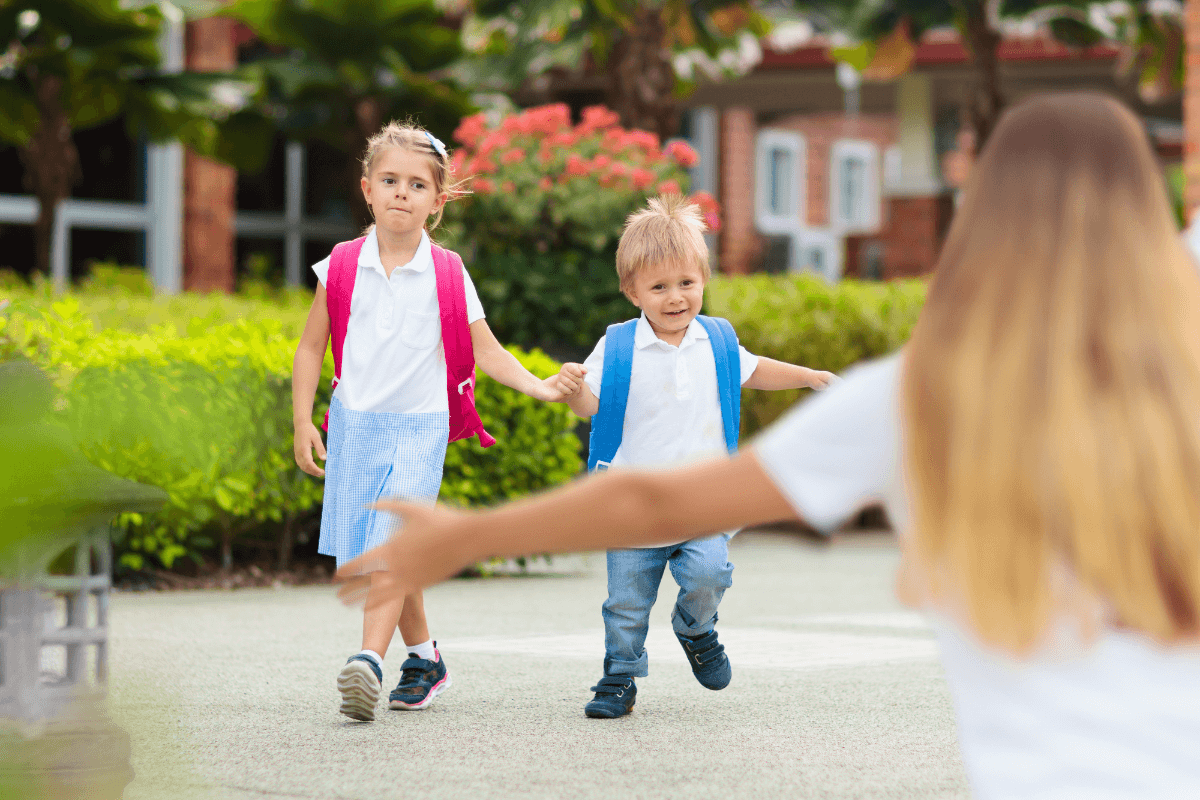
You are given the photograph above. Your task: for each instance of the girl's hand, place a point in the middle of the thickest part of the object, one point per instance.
(421, 554)
(569, 379)
(308, 438)
(821, 380)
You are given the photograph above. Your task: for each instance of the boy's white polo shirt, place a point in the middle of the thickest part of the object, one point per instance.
(674, 410)
(392, 359)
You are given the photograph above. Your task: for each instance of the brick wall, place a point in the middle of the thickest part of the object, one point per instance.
(912, 235)
(210, 188)
(740, 245)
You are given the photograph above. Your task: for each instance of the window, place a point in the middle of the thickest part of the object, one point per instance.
(854, 186)
(779, 181)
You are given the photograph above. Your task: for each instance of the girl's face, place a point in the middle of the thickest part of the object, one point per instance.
(400, 190)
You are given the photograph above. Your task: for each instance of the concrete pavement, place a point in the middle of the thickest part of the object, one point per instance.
(836, 691)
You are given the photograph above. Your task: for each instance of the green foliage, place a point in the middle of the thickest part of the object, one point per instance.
(804, 320)
(201, 407)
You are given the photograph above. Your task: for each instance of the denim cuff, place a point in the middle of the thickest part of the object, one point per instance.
(636, 669)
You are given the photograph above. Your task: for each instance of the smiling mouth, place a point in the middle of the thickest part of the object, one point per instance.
(676, 313)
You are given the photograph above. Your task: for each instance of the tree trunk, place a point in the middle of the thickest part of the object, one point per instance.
(983, 42)
(641, 78)
(285, 542)
(51, 162)
(368, 119)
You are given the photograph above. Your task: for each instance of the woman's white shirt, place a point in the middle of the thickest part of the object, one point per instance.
(1116, 718)
(392, 359)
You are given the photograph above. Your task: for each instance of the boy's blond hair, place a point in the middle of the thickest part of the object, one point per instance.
(670, 230)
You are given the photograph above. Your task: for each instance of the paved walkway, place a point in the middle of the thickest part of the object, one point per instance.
(836, 692)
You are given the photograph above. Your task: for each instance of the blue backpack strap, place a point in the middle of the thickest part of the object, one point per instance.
(728, 358)
(608, 424)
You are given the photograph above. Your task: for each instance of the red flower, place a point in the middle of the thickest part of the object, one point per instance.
(550, 119)
(480, 164)
(708, 204)
(508, 187)
(642, 178)
(545, 183)
(514, 156)
(492, 142)
(484, 186)
(614, 140)
(669, 187)
(576, 166)
(601, 161)
(683, 154)
(712, 221)
(470, 129)
(596, 118)
(644, 139)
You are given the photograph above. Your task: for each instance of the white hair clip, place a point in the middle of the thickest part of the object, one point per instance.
(437, 144)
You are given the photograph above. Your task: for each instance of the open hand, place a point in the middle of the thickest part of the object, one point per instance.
(308, 438)
(821, 380)
(420, 554)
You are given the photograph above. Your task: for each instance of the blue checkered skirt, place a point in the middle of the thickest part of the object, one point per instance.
(373, 456)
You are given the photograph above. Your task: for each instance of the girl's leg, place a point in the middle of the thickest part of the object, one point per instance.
(413, 628)
(379, 622)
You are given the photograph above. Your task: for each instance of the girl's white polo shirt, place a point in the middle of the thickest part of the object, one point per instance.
(1114, 719)
(392, 359)
(674, 410)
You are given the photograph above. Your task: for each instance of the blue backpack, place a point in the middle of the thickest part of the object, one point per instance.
(608, 425)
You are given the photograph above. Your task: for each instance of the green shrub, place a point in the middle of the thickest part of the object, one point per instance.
(203, 410)
(804, 320)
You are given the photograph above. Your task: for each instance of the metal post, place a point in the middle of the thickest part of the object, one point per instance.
(293, 238)
(60, 250)
(164, 178)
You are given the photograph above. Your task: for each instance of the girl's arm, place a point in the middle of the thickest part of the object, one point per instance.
(501, 365)
(306, 374)
(772, 375)
(621, 508)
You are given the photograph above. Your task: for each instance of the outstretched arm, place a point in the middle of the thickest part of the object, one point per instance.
(616, 509)
(772, 375)
(501, 365)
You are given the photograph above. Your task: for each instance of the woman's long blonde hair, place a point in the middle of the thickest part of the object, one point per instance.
(1051, 389)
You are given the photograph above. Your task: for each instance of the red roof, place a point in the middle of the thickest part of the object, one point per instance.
(944, 49)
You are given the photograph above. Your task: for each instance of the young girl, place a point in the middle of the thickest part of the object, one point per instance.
(1037, 447)
(390, 417)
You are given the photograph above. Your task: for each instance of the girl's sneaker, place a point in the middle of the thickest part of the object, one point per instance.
(360, 682)
(421, 680)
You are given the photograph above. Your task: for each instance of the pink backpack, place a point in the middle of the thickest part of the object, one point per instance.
(456, 333)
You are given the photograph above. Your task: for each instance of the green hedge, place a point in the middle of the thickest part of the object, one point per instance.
(202, 408)
(804, 320)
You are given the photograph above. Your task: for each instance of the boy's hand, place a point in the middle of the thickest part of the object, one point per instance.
(308, 438)
(821, 380)
(570, 379)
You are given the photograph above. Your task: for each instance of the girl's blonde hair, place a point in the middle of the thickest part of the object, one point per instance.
(669, 230)
(1051, 389)
(408, 136)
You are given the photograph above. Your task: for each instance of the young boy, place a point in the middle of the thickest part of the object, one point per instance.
(675, 397)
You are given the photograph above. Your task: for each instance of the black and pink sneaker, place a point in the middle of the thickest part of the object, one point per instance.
(421, 680)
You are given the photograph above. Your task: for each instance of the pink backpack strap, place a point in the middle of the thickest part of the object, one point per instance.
(460, 353)
(339, 290)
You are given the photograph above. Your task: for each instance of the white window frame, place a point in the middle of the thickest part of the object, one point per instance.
(767, 221)
(868, 153)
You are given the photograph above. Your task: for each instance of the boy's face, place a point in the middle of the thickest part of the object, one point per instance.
(671, 295)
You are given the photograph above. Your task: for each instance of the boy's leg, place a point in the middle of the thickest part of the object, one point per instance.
(701, 568)
(633, 579)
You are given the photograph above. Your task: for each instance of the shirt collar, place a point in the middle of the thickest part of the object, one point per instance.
(369, 256)
(644, 336)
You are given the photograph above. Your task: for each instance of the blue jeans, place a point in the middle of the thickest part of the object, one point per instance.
(701, 568)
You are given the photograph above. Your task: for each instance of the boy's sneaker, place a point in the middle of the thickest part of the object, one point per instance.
(614, 697)
(710, 665)
(360, 683)
(421, 680)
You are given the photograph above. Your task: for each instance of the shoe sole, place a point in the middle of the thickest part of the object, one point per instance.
(360, 691)
(434, 691)
(598, 714)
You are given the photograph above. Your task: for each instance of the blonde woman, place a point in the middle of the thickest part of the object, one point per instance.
(1037, 446)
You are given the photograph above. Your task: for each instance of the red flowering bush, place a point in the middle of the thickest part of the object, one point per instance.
(537, 180)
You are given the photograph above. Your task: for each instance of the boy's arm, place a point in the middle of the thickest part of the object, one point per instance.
(502, 366)
(584, 403)
(772, 375)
